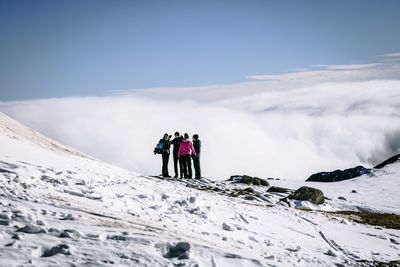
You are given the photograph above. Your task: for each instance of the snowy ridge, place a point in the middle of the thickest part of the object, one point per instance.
(60, 209)
(14, 129)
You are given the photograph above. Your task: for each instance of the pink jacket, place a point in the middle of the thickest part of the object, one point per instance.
(186, 148)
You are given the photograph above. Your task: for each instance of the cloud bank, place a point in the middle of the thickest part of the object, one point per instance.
(276, 133)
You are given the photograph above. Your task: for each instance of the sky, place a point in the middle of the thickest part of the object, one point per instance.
(51, 49)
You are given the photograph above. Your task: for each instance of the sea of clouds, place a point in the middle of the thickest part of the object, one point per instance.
(261, 129)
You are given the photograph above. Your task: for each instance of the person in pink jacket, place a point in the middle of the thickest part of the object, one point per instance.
(185, 152)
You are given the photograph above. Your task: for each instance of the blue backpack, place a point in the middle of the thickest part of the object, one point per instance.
(159, 149)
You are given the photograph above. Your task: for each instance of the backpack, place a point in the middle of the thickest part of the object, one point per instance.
(159, 147)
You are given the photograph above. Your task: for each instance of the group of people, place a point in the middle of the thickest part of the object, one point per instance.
(183, 153)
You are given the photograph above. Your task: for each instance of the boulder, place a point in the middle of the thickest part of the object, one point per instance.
(313, 195)
(338, 175)
(180, 251)
(246, 179)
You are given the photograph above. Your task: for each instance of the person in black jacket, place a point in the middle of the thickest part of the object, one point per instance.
(176, 142)
(165, 146)
(196, 159)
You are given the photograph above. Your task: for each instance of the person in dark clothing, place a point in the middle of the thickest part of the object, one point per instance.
(177, 142)
(185, 151)
(165, 145)
(196, 158)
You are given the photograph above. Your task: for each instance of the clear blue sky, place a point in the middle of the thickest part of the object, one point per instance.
(86, 47)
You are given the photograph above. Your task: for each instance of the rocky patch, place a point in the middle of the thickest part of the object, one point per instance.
(338, 175)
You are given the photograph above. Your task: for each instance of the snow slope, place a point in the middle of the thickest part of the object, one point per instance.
(14, 130)
(82, 212)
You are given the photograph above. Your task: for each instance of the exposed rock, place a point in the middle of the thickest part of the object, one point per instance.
(245, 179)
(330, 253)
(180, 251)
(308, 193)
(391, 160)
(249, 190)
(80, 182)
(54, 230)
(59, 249)
(342, 198)
(249, 198)
(5, 216)
(10, 244)
(31, 229)
(64, 234)
(228, 227)
(338, 175)
(117, 237)
(15, 236)
(192, 199)
(164, 196)
(387, 220)
(277, 189)
(51, 180)
(4, 222)
(40, 222)
(353, 191)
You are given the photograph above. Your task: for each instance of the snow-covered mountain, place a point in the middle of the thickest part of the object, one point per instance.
(60, 207)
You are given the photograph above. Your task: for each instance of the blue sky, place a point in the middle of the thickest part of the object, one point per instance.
(80, 48)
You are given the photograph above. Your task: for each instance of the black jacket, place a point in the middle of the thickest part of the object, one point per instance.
(166, 146)
(176, 142)
(197, 146)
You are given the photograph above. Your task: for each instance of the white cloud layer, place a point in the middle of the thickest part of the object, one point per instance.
(254, 129)
(387, 68)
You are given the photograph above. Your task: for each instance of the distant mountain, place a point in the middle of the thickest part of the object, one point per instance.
(341, 175)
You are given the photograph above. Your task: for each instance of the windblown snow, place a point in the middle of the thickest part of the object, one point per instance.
(59, 207)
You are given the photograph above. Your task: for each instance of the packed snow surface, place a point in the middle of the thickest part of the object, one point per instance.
(59, 207)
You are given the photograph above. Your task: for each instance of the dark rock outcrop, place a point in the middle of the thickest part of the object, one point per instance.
(245, 179)
(277, 189)
(391, 160)
(338, 175)
(180, 251)
(308, 193)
